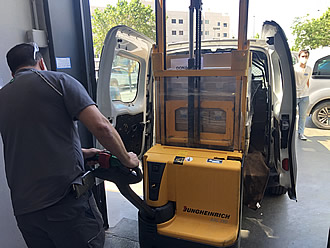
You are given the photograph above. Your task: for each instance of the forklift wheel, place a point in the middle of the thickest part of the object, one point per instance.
(278, 190)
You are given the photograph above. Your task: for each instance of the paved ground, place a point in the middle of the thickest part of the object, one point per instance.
(279, 223)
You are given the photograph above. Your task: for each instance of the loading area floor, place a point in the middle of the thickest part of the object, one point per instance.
(279, 223)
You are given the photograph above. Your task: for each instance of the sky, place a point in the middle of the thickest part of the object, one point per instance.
(281, 11)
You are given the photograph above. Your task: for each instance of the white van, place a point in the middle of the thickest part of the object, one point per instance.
(272, 102)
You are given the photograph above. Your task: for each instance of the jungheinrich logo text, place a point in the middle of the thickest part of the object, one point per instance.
(206, 212)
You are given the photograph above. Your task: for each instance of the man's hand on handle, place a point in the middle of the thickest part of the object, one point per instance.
(133, 161)
(89, 153)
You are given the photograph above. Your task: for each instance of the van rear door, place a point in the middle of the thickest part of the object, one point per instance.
(123, 83)
(284, 104)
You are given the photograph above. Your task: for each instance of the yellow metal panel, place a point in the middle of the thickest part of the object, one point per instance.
(207, 194)
(243, 104)
(157, 60)
(220, 139)
(238, 114)
(201, 73)
(242, 26)
(240, 60)
(159, 5)
(200, 231)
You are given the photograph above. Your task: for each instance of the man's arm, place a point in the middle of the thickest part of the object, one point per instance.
(107, 135)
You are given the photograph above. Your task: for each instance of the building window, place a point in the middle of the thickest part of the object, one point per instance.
(207, 22)
(173, 20)
(219, 24)
(180, 32)
(225, 25)
(173, 32)
(207, 32)
(225, 34)
(180, 21)
(218, 34)
(201, 33)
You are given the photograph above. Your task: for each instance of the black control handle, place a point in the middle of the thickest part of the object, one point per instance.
(111, 169)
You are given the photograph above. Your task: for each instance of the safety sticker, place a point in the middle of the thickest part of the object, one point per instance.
(215, 161)
(188, 159)
(178, 160)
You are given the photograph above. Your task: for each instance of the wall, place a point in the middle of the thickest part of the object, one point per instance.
(69, 35)
(9, 233)
(15, 19)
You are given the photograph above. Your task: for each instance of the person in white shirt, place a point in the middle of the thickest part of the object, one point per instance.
(302, 75)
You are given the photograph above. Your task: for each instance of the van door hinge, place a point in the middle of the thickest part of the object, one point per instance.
(144, 123)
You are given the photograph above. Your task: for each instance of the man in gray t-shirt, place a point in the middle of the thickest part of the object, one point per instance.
(43, 154)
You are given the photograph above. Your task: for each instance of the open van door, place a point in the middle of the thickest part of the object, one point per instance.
(124, 87)
(284, 105)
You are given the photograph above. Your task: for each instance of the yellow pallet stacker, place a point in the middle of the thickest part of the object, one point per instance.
(193, 175)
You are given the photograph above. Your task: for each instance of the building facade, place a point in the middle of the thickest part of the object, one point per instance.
(214, 26)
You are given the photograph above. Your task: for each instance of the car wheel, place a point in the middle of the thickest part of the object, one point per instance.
(321, 116)
(278, 190)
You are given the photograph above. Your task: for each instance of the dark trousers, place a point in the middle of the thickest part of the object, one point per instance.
(70, 223)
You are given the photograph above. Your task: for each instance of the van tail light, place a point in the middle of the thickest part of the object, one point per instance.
(285, 164)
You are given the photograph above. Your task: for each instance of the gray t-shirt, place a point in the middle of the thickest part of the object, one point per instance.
(41, 143)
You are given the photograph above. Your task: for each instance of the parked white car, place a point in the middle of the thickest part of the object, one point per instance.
(319, 91)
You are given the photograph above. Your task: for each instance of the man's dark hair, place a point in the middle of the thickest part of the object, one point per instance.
(303, 51)
(22, 55)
